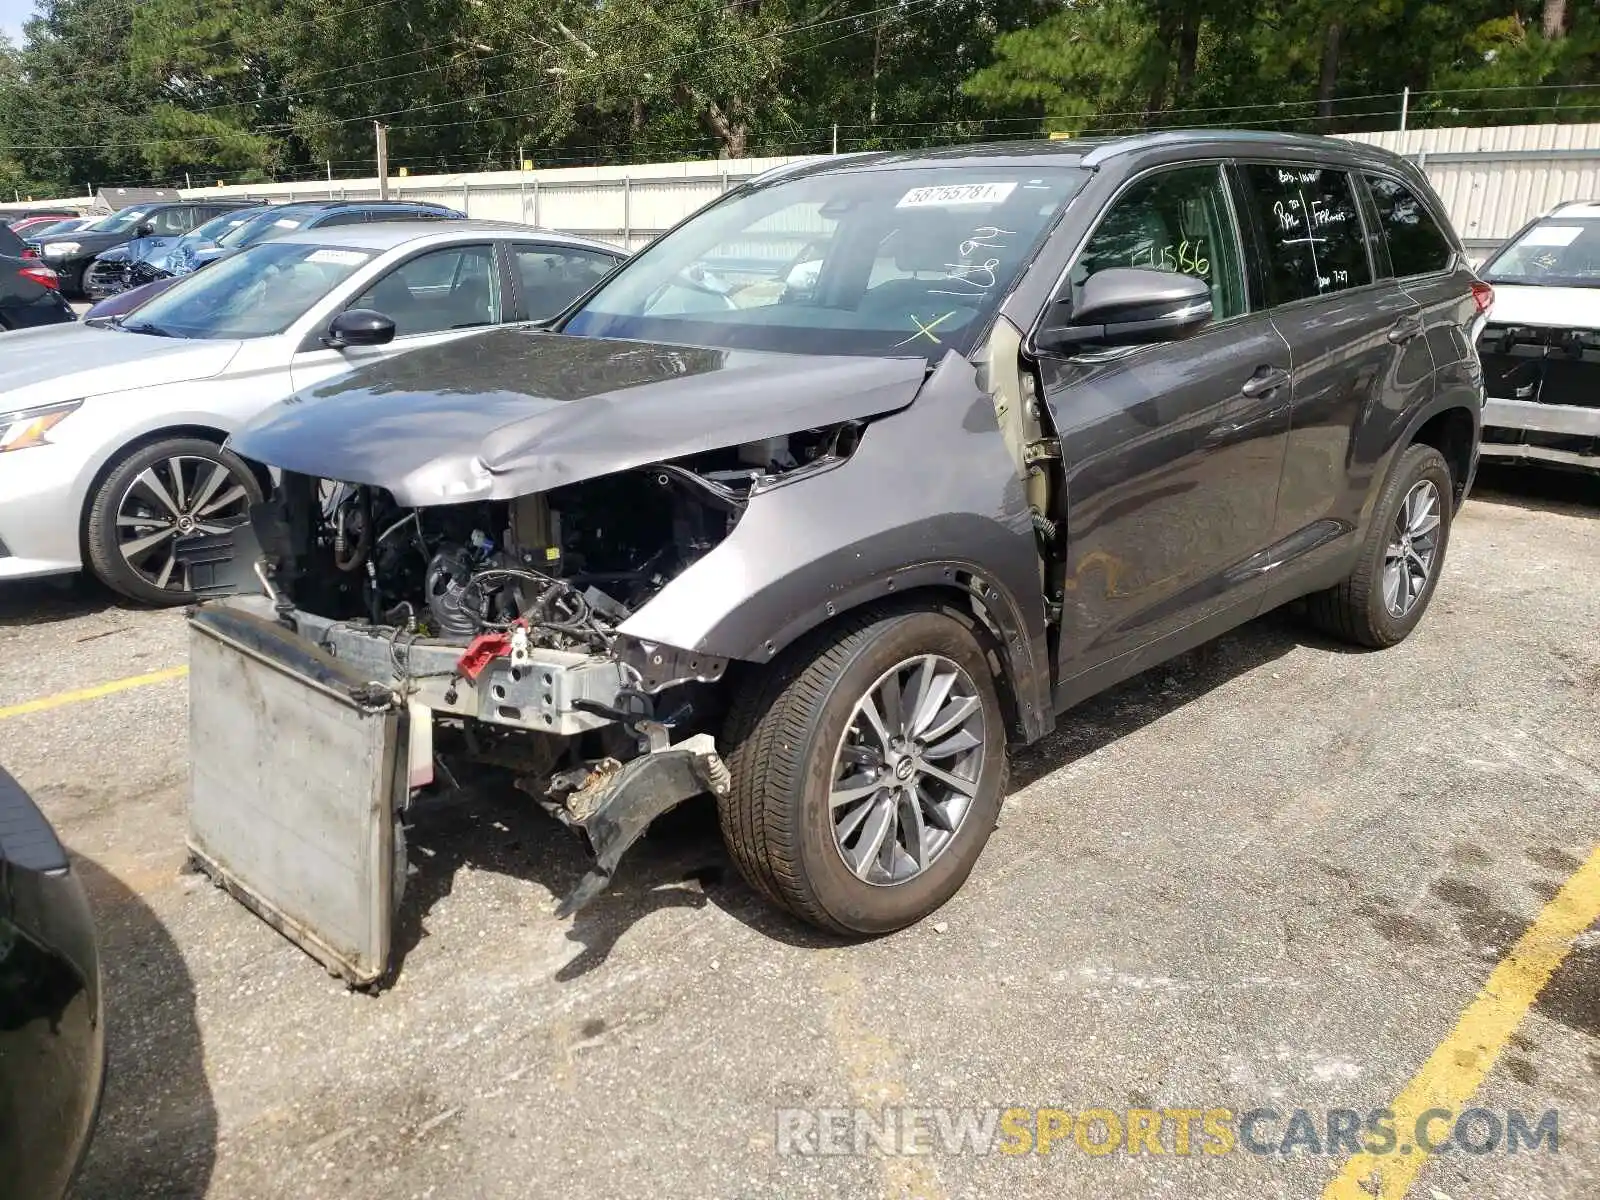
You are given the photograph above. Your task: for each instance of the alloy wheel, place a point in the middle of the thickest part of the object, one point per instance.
(1409, 560)
(907, 769)
(177, 498)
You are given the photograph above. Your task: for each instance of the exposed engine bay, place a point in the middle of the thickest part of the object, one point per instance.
(565, 566)
(486, 635)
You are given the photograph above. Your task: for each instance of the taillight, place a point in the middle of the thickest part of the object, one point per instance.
(1482, 295)
(43, 276)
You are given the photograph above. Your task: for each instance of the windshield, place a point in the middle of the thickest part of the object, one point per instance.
(118, 222)
(261, 228)
(911, 261)
(1558, 252)
(67, 226)
(217, 226)
(257, 293)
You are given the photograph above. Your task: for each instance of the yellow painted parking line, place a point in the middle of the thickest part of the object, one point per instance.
(61, 699)
(1458, 1066)
(872, 1066)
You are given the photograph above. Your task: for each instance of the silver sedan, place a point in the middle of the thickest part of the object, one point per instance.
(111, 433)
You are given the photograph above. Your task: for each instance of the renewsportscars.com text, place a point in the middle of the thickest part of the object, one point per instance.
(1176, 1131)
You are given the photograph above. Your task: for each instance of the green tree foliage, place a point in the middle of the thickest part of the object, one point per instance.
(110, 91)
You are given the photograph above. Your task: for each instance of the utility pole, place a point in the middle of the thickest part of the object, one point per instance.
(1405, 105)
(330, 172)
(382, 132)
(836, 137)
(188, 184)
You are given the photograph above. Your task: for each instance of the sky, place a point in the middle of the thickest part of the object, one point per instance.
(12, 14)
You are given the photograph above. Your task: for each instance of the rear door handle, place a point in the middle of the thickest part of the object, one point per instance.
(1404, 329)
(1266, 379)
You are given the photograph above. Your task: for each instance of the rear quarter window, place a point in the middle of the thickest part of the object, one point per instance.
(1417, 246)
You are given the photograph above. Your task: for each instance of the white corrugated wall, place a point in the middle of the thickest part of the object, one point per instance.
(1493, 179)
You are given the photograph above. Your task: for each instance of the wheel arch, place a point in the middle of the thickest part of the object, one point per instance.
(1453, 432)
(1449, 418)
(965, 593)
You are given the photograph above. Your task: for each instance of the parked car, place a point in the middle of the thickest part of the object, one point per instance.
(135, 268)
(1541, 346)
(52, 1028)
(204, 236)
(68, 226)
(70, 254)
(1042, 416)
(111, 432)
(280, 219)
(32, 226)
(30, 294)
(15, 216)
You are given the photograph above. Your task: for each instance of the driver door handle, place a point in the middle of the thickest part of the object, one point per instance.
(1404, 329)
(1265, 380)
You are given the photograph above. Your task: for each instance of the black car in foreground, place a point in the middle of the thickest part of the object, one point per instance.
(52, 1033)
(30, 291)
(869, 469)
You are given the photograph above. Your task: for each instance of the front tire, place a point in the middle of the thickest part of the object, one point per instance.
(175, 488)
(1384, 598)
(868, 765)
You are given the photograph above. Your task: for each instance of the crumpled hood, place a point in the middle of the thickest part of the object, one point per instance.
(1557, 307)
(516, 411)
(69, 362)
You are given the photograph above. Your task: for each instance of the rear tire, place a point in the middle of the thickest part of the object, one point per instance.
(1383, 599)
(800, 743)
(138, 502)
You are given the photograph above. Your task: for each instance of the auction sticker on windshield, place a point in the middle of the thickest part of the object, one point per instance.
(343, 258)
(1553, 235)
(946, 194)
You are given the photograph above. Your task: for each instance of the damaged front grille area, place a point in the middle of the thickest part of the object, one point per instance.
(1541, 365)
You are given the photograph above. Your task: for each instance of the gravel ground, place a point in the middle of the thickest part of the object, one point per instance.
(1272, 873)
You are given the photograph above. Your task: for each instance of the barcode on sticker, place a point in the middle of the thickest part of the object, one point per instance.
(944, 194)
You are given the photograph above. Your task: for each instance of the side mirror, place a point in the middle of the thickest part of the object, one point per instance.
(1128, 306)
(143, 230)
(359, 327)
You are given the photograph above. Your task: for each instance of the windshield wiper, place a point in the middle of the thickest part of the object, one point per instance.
(147, 327)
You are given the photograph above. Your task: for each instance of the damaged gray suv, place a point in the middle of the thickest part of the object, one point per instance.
(867, 470)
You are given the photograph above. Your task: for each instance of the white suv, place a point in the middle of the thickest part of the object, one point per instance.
(1541, 346)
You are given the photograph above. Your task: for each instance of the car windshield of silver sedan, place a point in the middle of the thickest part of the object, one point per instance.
(908, 261)
(1563, 251)
(259, 292)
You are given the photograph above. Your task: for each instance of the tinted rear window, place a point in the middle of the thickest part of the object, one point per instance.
(1417, 246)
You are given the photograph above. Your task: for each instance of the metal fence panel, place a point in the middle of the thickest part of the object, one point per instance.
(1493, 179)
